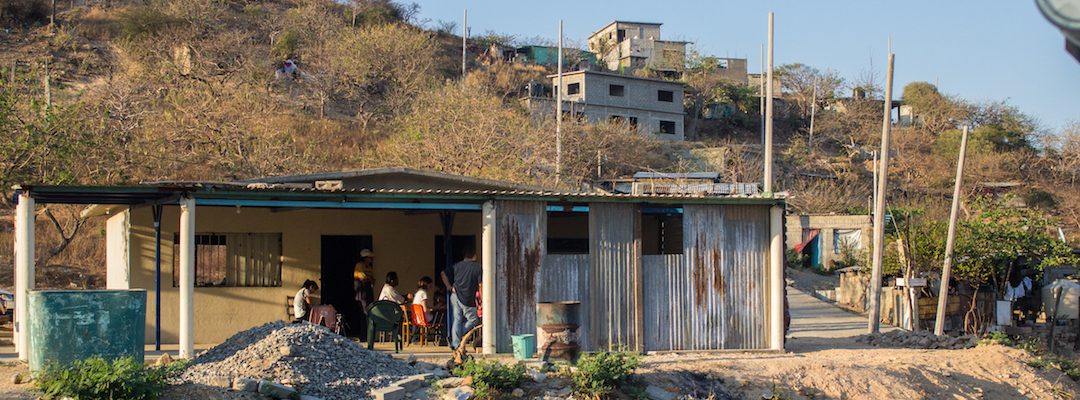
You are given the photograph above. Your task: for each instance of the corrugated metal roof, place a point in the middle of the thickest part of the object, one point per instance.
(142, 194)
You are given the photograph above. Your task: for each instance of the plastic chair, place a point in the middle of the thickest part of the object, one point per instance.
(419, 320)
(325, 315)
(385, 316)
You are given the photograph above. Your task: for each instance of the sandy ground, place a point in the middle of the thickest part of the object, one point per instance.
(823, 361)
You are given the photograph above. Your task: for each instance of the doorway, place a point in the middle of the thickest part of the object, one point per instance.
(339, 256)
(458, 245)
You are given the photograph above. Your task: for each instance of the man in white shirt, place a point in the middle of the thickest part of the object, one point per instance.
(302, 300)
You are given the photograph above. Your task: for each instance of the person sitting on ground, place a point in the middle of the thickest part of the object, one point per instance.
(389, 290)
(421, 297)
(302, 300)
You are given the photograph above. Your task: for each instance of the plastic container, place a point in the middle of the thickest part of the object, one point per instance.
(524, 346)
(69, 325)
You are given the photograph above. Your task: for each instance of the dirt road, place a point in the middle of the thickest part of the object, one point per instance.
(825, 362)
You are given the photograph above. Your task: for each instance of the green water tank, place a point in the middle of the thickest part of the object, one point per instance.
(69, 325)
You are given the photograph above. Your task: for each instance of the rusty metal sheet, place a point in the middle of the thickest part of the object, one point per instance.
(615, 277)
(561, 276)
(521, 237)
(715, 295)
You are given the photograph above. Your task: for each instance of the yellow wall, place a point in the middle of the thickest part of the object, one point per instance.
(402, 242)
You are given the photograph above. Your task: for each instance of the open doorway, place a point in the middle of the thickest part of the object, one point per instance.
(339, 256)
(458, 245)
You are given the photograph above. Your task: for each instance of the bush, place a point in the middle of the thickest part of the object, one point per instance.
(98, 378)
(598, 375)
(24, 12)
(490, 378)
(143, 21)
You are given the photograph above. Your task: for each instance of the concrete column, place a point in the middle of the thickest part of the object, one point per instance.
(488, 263)
(24, 271)
(776, 278)
(187, 277)
(117, 255)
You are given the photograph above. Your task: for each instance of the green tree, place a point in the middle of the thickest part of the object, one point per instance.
(934, 111)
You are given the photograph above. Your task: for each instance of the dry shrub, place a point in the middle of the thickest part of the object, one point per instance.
(467, 131)
(507, 80)
(80, 265)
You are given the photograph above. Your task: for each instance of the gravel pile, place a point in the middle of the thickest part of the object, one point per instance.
(919, 340)
(308, 357)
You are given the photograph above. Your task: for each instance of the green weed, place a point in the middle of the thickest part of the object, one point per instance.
(98, 378)
(599, 374)
(491, 378)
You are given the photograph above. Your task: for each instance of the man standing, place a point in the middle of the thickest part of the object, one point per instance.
(463, 279)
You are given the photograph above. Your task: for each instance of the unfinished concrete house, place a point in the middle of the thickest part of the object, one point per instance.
(653, 106)
(218, 258)
(825, 239)
(625, 46)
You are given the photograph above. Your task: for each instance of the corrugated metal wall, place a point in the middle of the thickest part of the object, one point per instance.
(615, 280)
(521, 243)
(562, 277)
(566, 278)
(715, 295)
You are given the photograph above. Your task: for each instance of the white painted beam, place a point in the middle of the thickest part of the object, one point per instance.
(117, 254)
(187, 277)
(488, 264)
(776, 279)
(24, 271)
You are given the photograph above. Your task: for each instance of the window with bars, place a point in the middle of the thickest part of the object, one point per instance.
(233, 260)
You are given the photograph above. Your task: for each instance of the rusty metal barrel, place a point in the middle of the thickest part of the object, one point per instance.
(557, 333)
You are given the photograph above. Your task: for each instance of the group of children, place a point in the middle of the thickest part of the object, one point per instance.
(363, 285)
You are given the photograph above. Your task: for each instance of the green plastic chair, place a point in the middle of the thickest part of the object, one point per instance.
(385, 316)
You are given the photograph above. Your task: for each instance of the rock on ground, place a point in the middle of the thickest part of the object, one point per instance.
(319, 362)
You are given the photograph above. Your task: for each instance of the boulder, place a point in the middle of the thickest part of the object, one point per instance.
(276, 390)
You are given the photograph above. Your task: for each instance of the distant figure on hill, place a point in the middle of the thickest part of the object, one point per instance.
(287, 70)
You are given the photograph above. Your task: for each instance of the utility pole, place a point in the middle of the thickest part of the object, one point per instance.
(768, 178)
(946, 271)
(558, 112)
(464, 38)
(874, 323)
(813, 109)
(761, 94)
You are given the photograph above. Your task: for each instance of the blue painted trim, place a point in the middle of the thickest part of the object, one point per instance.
(333, 204)
(557, 208)
(662, 210)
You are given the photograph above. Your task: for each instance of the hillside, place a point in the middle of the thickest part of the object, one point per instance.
(187, 90)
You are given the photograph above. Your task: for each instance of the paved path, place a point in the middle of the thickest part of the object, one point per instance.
(817, 324)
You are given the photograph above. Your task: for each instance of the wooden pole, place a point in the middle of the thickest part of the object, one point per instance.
(946, 270)
(761, 94)
(558, 111)
(768, 177)
(464, 39)
(813, 109)
(874, 322)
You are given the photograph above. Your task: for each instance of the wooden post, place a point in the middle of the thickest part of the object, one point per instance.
(464, 38)
(761, 94)
(946, 270)
(874, 313)
(768, 178)
(813, 109)
(558, 111)
(48, 88)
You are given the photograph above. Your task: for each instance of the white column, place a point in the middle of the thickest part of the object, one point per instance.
(488, 264)
(24, 271)
(117, 256)
(187, 277)
(776, 278)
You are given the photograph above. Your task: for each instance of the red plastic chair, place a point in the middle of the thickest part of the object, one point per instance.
(418, 319)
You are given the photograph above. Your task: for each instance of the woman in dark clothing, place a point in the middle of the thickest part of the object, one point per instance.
(364, 294)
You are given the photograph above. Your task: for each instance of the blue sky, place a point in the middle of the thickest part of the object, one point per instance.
(979, 50)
